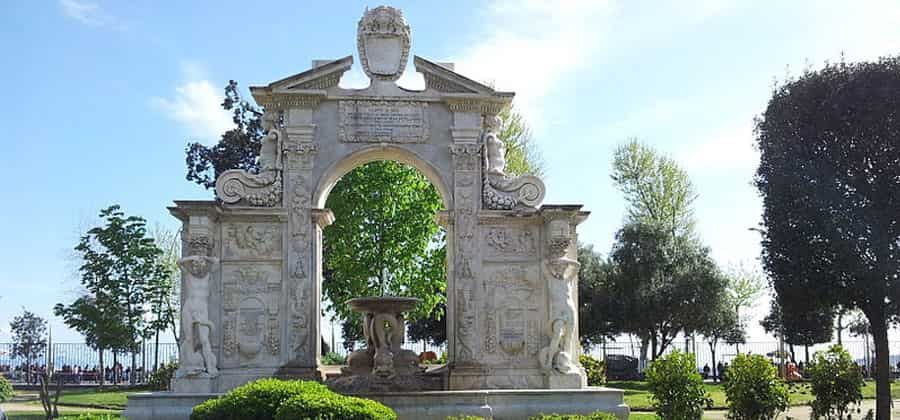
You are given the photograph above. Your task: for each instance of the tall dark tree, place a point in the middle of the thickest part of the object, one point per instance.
(29, 339)
(799, 324)
(829, 176)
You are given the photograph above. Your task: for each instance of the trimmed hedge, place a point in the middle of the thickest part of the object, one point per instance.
(6, 389)
(332, 406)
(270, 399)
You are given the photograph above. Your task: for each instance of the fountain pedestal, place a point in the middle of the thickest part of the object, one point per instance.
(383, 365)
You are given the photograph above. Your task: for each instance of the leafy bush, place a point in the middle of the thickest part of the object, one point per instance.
(593, 416)
(595, 369)
(329, 405)
(677, 388)
(161, 379)
(836, 383)
(754, 390)
(92, 416)
(6, 389)
(257, 400)
(465, 418)
(332, 358)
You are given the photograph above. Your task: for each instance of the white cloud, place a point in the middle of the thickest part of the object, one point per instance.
(729, 148)
(531, 45)
(87, 13)
(197, 104)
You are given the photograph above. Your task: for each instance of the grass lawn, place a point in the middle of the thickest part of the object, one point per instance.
(637, 393)
(39, 415)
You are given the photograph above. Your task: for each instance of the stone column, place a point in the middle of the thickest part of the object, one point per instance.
(462, 299)
(302, 329)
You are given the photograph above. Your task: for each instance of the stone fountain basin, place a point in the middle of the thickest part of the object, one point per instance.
(383, 304)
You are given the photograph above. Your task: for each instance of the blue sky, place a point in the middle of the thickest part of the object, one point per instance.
(102, 97)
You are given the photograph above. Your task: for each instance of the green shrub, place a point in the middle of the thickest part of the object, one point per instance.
(332, 406)
(92, 416)
(836, 382)
(593, 416)
(6, 389)
(161, 379)
(754, 390)
(332, 358)
(595, 369)
(257, 400)
(465, 418)
(677, 388)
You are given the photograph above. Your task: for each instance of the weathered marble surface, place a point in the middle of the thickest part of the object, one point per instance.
(511, 277)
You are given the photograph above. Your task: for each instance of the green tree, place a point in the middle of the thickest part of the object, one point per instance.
(522, 154)
(659, 248)
(119, 263)
(745, 287)
(652, 271)
(96, 316)
(830, 182)
(237, 149)
(657, 190)
(721, 323)
(384, 240)
(799, 325)
(29, 339)
(163, 290)
(599, 312)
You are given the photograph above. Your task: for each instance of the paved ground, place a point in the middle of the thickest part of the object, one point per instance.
(802, 412)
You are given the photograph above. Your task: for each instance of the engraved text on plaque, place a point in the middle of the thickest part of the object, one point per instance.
(383, 122)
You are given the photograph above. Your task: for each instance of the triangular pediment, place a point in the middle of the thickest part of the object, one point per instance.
(320, 77)
(442, 79)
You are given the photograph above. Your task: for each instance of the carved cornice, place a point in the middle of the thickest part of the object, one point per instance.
(322, 217)
(321, 77)
(478, 105)
(287, 100)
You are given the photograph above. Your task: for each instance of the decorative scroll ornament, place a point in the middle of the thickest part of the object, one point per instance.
(263, 189)
(502, 192)
(383, 39)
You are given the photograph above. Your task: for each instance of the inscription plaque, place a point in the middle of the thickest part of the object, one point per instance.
(383, 122)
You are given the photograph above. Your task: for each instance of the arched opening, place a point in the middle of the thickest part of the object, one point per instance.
(385, 241)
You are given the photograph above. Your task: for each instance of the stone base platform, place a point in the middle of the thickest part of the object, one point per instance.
(506, 404)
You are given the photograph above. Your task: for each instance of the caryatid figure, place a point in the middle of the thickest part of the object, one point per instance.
(196, 355)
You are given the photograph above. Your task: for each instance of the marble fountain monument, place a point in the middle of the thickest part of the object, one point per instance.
(252, 258)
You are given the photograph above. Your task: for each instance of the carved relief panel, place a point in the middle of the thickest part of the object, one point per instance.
(243, 241)
(513, 313)
(251, 314)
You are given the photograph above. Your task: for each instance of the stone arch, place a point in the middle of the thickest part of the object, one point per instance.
(375, 153)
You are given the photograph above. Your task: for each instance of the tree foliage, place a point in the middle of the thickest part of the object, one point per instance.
(599, 312)
(836, 382)
(653, 271)
(829, 175)
(522, 154)
(119, 264)
(29, 337)
(237, 149)
(753, 389)
(384, 240)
